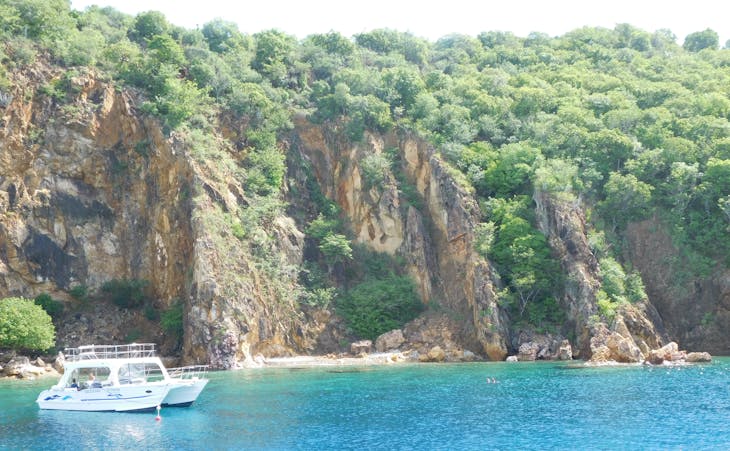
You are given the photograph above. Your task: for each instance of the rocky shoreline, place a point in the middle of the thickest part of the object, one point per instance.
(15, 366)
(607, 349)
(23, 367)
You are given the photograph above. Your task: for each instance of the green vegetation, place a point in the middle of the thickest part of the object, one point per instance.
(126, 293)
(25, 326)
(53, 307)
(171, 320)
(627, 122)
(374, 307)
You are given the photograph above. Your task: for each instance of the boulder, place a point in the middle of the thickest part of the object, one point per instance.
(528, 352)
(699, 357)
(655, 357)
(436, 354)
(39, 362)
(14, 368)
(513, 358)
(669, 352)
(389, 340)
(22, 368)
(362, 346)
(468, 356)
(565, 352)
(59, 362)
(610, 346)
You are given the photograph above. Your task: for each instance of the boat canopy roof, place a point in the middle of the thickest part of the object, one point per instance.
(98, 352)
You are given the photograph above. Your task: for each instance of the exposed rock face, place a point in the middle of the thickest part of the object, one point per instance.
(531, 347)
(440, 257)
(636, 329)
(98, 193)
(92, 191)
(695, 310)
(564, 225)
(21, 367)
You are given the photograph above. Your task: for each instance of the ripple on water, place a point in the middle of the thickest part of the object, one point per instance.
(544, 405)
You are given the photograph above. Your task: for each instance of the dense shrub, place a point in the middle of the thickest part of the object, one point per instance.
(376, 306)
(171, 320)
(50, 305)
(126, 293)
(25, 325)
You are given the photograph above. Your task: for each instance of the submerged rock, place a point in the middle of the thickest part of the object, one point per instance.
(699, 357)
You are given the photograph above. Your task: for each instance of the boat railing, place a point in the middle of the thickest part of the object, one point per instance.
(188, 372)
(94, 352)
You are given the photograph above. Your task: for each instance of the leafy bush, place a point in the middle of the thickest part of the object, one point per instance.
(126, 293)
(80, 293)
(50, 305)
(171, 320)
(375, 167)
(25, 325)
(321, 227)
(319, 297)
(619, 286)
(377, 306)
(606, 306)
(336, 248)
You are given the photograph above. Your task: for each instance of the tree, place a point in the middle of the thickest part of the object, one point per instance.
(401, 87)
(25, 326)
(336, 248)
(46, 20)
(522, 254)
(146, 25)
(627, 199)
(699, 40)
(682, 183)
(511, 173)
(222, 35)
(274, 52)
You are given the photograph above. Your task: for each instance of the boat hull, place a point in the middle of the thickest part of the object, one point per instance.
(127, 399)
(184, 392)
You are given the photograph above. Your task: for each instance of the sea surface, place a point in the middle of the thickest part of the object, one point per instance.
(543, 405)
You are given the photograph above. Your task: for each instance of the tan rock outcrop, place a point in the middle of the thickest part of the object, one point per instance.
(440, 258)
(389, 340)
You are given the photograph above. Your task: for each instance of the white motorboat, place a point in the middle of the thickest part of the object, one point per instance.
(121, 378)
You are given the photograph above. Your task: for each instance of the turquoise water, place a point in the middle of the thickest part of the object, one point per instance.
(450, 406)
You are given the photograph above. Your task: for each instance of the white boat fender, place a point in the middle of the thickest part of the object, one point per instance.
(158, 417)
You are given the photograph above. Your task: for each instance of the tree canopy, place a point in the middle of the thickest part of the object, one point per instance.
(25, 326)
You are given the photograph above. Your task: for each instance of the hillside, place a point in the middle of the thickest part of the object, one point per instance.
(229, 195)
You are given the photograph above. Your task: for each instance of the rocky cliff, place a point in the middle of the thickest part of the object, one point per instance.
(89, 191)
(636, 329)
(436, 240)
(92, 190)
(695, 308)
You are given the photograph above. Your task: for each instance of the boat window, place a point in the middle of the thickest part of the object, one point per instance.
(94, 377)
(138, 373)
